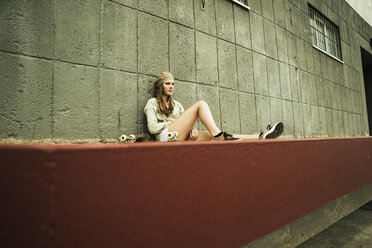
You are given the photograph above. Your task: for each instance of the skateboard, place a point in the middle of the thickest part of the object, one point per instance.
(172, 136)
(134, 138)
(128, 139)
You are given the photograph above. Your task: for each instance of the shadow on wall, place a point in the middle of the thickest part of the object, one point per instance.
(367, 74)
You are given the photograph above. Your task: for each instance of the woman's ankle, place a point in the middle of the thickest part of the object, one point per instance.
(218, 134)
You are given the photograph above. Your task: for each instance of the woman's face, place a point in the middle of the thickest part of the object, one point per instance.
(168, 87)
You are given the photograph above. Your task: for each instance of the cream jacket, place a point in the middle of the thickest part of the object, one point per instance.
(156, 120)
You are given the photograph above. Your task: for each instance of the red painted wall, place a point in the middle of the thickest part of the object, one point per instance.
(212, 194)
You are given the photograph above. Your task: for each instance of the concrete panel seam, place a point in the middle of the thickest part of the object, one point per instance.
(236, 67)
(169, 60)
(195, 59)
(25, 55)
(99, 119)
(122, 4)
(218, 70)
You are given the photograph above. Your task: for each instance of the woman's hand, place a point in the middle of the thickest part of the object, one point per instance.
(194, 134)
(168, 123)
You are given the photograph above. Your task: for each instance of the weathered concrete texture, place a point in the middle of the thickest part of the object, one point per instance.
(263, 112)
(276, 110)
(288, 119)
(301, 56)
(144, 93)
(206, 59)
(327, 93)
(205, 18)
(76, 101)
(182, 12)
(152, 44)
(225, 20)
(310, 225)
(336, 123)
(182, 52)
(245, 69)
(294, 74)
(329, 122)
(270, 39)
(315, 121)
(322, 122)
(118, 99)
(273, 77)
(298, 120)
(281, 41)
(288, 10)
(260, 74)
(279, 12)
(257, 32)
(297, 21)
(292, 49)
(267, 9)
(307, 120)
(285, 82)
(211, 95)
(25, 97)
(155, 7)
(130, 3)
(186, 99)
(312, 89)
(77, 31)
(304, 87)
(27, 27)
(229, 111)
(317, 64)
(255, 6)
(242, 26)
(227, 65)
(248, 121)
(354, 230)
(309, 57)
(320, 91)
(119, 37)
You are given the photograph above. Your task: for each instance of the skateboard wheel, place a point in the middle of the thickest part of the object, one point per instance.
(175, 133)
(123, 138)
(132, 138)
(170, 135)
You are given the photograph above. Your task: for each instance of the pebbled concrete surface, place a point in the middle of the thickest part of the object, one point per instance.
(354, 230)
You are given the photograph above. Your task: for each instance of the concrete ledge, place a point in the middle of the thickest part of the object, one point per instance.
(222, 194)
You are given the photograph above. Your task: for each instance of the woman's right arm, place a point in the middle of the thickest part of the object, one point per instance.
(153, 125)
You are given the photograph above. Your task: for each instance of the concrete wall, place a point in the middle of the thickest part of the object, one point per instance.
(83, 69)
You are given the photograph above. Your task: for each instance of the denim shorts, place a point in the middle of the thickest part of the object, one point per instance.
(163, 136)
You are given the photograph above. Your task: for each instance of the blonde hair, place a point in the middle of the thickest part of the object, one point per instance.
(158, 94)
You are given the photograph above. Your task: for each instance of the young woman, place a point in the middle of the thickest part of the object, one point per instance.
(167, 115)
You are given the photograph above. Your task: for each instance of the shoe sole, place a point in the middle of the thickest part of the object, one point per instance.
(275, 131)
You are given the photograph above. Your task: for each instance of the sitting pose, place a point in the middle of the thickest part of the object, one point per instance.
(167, 115)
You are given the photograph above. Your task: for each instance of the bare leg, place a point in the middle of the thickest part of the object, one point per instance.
(247, 136)
(185, 122)
(205, 136)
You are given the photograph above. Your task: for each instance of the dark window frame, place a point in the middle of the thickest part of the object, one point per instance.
(243, 3)
(324, 34)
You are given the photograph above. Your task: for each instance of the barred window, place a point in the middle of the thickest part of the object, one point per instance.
(324, 34)
(243, 3)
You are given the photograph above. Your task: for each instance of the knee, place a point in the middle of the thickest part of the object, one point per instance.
(202, 103)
